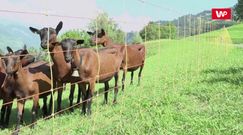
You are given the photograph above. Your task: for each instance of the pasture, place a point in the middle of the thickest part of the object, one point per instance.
(189, 86)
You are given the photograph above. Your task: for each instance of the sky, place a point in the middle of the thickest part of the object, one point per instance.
(131, 15)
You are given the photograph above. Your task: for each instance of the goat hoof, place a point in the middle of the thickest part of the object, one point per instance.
(104, 102)
(71, 110)
(78, 105)
(2, 126)
(114, 102)
(45, 115)
(89, 113)
(15, 133)
(59, 109)
(83, 113)
(32, 126)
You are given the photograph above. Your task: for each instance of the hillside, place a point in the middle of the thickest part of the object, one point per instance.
(16, 34)
(236, 33)
(190, 24)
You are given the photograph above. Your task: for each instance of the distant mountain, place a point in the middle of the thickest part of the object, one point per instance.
(15, 35)
(189, 25)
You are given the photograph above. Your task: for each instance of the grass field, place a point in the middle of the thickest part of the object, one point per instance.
(189, 86)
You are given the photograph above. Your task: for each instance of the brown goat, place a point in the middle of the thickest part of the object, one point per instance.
(98, 67)
(133, 55)
(62, 69)
(4, 95)
(7, 94)
(33, 81)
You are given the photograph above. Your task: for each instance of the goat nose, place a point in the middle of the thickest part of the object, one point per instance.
(73, 64)
(68, 59)
(94, 39)
(44, 42)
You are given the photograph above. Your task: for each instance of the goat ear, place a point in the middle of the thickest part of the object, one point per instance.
(23, 54)
(25, 47)
(90, 33)
(34, 30)
(102, 31)
(80, 41)
(9, 49)
(59, 27)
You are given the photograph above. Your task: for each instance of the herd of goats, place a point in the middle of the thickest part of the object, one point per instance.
(22, 77)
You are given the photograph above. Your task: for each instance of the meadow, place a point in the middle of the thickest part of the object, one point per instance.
(189, 86)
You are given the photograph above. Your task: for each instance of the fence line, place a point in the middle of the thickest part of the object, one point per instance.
(159, 6)
(49, 53)
(58, 15)
(56, 88)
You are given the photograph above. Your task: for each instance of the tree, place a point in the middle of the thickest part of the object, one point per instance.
(134, 38)
(109, 25)
(150, 32)
(168, 31)
(102, 21)
(77, 34)
(154, 31)
(239, 10)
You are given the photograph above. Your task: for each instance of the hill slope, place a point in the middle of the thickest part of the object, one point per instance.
(190, 24)
(16, 34)
(236, 33)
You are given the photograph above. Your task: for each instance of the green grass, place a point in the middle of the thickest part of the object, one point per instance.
(236, 33)
(189, 86)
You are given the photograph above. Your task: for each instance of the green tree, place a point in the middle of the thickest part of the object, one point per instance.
(239, 10)
(168, 31)
(136, 38)
(38, 53)
(77, 34)
(109, 25)
(154, 31)
(150, 32)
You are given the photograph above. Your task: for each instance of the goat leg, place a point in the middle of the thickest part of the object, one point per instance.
(9, 108)
(71, 97)
(20, 106)
(106, 92)
(131, 83)
(139, 74)
(116, 87)
(35, 110)
(3, 110)
(90, 96)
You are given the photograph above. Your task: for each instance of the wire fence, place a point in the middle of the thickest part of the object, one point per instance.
(197, 29)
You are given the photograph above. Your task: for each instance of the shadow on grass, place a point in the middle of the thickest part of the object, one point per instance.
(231, 70)
(231, 75)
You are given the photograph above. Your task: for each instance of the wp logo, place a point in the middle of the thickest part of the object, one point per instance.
(221, 14)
